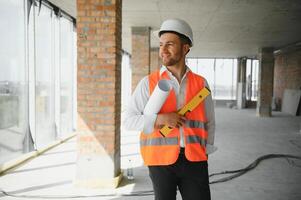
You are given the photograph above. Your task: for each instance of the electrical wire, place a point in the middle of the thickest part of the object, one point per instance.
(236, 173)
(254, 164)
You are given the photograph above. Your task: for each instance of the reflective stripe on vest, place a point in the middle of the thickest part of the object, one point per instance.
(191, 139)
(172, 141)
(159, 141)
(195, 124)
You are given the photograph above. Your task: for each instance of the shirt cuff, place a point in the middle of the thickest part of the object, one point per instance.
(149, 122)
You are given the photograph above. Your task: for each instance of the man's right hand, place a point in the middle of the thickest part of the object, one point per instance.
(173, 120)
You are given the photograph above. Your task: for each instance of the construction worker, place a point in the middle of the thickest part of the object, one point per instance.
(178, 160)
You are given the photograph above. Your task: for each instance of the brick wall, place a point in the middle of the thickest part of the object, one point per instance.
(155, 61)
(140, 60)
(287, 73)
(99, 89)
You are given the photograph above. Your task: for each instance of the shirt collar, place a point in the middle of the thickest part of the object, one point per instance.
(164, 68)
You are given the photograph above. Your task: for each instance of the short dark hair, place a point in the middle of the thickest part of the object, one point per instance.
(183, 38)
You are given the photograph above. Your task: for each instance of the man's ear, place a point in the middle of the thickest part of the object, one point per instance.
(186, 49)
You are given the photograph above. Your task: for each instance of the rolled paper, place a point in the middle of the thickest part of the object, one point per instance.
(158, 97)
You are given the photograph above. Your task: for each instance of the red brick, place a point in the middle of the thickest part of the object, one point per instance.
(287, 73)
(140, 61)
(98, 77)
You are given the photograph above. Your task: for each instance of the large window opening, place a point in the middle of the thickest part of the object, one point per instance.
(37, 76)
(220, 74)
(13, 80)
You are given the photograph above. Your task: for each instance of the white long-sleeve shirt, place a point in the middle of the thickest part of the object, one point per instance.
(134, 118)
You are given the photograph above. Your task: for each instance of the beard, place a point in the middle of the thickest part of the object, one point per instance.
(170, 61)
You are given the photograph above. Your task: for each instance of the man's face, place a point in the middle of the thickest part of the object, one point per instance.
(171, 49)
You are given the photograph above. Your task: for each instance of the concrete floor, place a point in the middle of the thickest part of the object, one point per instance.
(241, 137)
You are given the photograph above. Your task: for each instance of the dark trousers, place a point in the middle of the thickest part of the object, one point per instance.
(190, 177)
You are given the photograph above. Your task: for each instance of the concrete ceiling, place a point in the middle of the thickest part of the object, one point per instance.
(222, 28)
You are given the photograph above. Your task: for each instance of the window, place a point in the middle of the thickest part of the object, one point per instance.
(13, 80)
(44, 77)
(225, 86)
(252, 79)
(37, 77)
(219, 73)
(66, 76)
(126, 86)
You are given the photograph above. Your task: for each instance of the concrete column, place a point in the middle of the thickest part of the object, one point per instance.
(155, 62)
(98, 97)
(243, 72)
(140, 60)
(241, 82)
(265, 82)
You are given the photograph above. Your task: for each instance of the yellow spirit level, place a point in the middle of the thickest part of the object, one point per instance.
(190, 106)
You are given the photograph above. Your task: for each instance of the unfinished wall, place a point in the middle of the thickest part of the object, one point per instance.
(140, 61)
(155, 62)
(287, 73)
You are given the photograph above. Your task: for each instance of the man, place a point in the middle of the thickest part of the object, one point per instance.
(178, 160)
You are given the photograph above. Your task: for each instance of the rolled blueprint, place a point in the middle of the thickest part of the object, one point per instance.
(158, 97)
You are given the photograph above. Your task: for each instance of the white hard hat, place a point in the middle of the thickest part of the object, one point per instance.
(176, 25)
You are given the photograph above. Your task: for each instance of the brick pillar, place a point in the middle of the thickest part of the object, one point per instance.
(98, 97)
(155, 62)
(287, 73)
(241, 82)
(265, 82)
(140, 60)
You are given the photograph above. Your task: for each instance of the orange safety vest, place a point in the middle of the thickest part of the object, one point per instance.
(158, 150)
